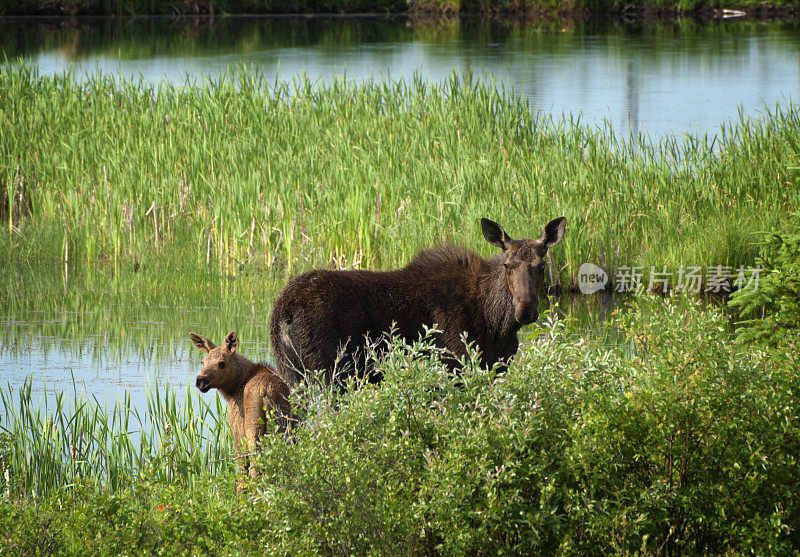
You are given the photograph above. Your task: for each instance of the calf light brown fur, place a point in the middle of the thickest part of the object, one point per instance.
(251, 389)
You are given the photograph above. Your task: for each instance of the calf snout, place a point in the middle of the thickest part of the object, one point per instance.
(203, 383)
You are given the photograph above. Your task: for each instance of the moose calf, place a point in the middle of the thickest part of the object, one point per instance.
(321, 318)
(251, 389)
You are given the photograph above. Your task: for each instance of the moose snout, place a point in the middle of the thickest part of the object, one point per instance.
(525, 314)
(203, 383)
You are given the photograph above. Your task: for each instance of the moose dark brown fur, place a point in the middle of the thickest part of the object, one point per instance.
(251, 389)
(321, 319)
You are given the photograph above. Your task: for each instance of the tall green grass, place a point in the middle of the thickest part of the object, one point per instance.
(246, 175)
(69, 438)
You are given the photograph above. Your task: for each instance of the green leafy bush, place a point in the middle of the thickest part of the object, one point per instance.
(776, 302)
(674, 439)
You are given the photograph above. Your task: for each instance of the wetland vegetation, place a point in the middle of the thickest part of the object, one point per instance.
(677, 437)
(246, 177)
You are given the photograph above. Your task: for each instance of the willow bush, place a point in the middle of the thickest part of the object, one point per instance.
(676, 439)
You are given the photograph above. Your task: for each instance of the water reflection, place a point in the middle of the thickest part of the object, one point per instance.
(102, 342)
(679, 76)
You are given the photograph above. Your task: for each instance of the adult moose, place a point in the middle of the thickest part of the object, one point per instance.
(322, 318)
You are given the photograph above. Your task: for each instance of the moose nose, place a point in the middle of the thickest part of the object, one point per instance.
(525, 315)
(202, 383)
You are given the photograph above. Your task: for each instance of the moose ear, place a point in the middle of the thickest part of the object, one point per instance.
(495, 234)
(553, 231)
(202, 343)
(232, 341)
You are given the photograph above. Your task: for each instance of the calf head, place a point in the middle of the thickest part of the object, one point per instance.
(524, 264)
(220, 368)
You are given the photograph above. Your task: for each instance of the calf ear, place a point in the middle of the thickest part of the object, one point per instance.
(495, 234)
(232, 341)
(202, 343)
(553, 231)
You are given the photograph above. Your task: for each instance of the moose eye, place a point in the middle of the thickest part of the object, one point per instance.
(221, 365)
(505, 266)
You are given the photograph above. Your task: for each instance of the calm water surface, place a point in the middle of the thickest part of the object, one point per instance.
(144, 347)
(672, 78)
(87, 336)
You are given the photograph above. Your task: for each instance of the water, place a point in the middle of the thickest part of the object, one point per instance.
(86, 335)
(667, 78)
(672, 77)
(62, 350)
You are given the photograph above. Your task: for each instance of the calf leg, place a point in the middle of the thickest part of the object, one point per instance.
(255, 427)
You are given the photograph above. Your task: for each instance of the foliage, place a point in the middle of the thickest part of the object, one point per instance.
(672, 441)
(172, 7)
(71, 440)
(244, 175)
(153, 518)
(776, 301)
(676, 439)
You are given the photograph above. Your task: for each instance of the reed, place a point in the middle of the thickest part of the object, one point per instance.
(68, 438)
(259, 179)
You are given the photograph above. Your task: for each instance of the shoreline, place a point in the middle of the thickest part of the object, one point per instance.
(535, 11)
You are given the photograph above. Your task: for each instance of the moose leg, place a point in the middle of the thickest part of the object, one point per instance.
(255, 427)
(241, 467)
(235, 421)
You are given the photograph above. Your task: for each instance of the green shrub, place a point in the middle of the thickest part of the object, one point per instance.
(776, 302)
(672, 440)
(154, 518)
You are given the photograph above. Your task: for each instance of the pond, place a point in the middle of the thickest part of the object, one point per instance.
(676, 76)
(673, 77)
(84, 335)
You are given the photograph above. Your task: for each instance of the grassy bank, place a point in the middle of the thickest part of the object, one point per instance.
(252, 179)
(676, 439)
(538, 7)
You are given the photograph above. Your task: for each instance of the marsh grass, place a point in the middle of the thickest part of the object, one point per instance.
(70, 437)
(243, 174)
